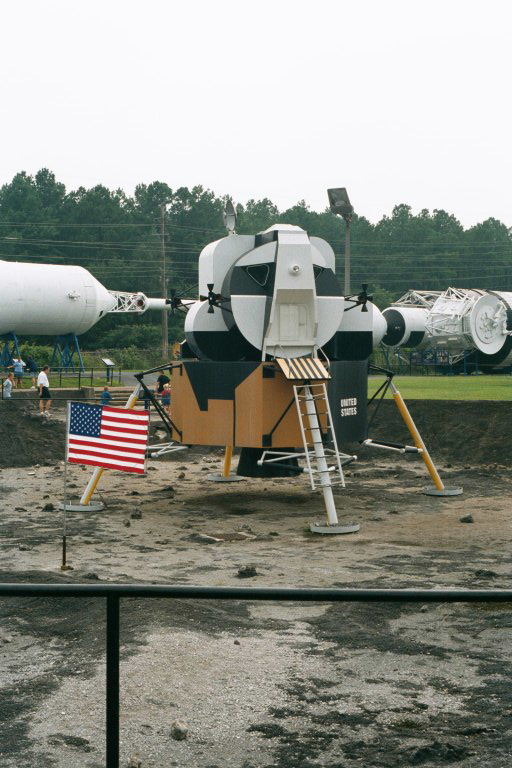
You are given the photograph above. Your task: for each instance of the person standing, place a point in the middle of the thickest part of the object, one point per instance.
(8, 386)
(32, 369)
(45, 397)
(106, 397)
(166, 398)
(161, 381)
(18, 366)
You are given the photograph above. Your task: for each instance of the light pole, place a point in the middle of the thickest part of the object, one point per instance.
(340, 205)
(165, 317)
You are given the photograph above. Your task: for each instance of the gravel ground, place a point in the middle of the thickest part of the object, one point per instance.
(261, 684)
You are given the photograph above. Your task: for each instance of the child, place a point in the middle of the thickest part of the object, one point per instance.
(166, 398)
(106, 397)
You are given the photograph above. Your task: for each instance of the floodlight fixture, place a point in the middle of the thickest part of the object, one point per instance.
(229, 217)
(339, 202)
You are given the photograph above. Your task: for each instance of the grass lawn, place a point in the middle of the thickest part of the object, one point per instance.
(450, 387)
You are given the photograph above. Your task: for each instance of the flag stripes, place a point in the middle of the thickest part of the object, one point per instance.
(103, 436)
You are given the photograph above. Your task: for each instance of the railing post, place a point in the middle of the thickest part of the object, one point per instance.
(112, 682)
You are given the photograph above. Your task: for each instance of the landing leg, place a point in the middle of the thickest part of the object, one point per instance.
(324, 474)
(226, 476)
(439, 488)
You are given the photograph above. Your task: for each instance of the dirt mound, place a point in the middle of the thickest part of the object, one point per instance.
(460, 431)
(476, 432)
(26, 438)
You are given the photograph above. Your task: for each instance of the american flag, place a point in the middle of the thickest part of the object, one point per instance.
(114, 438)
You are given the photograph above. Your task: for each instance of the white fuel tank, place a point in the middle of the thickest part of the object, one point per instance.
(49, 299)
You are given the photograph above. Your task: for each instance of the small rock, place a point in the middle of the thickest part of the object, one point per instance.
(76, 742)
(23, 548)
(48, 507)
(181, 476)
(179, 730)
(236, 642)
(202, 538)
(127, 523)
(195, 462)
(134, 762)
(151, 469)
(245, 527)
(46, 495)
(91, 575)
(273, 533)
(467, 518)
(136, 514)
(5, 639)
(424, 609)
(134, 493)
(483, 574)
(393, 512)
(247, 572)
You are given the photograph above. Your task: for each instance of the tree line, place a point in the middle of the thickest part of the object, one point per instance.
(117, 238)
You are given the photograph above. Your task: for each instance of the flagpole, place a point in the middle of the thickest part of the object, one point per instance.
(64, 566)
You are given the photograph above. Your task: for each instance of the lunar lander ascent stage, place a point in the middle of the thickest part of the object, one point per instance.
(275, 362)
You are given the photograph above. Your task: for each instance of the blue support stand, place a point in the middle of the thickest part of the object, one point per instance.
(64, 351)
(9, 350)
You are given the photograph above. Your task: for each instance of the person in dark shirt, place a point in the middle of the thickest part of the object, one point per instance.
(161, 381)
(32, 369)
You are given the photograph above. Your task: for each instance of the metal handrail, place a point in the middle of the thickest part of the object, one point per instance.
(114, 592)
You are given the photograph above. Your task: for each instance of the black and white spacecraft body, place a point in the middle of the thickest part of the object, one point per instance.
(275, 358)
(279, 299)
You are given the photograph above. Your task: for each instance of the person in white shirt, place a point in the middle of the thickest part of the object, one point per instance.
(8, 386)
(18, 367)
(43, 385)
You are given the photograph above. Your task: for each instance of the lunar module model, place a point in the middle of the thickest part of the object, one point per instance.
(275, 361)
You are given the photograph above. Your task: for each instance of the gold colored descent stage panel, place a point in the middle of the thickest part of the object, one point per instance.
(244, 404)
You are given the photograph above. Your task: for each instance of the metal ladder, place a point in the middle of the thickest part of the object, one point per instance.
(316, 404)
(314, 397)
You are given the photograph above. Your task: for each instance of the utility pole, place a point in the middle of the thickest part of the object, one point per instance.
(348, 220)
(340, 205)
(165, 317)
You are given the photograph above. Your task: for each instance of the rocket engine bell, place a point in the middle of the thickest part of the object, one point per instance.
(49, 299)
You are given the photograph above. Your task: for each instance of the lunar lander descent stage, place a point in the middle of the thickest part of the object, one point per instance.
(275, 362)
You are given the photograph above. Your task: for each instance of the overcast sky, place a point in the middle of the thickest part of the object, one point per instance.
(397, 101)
